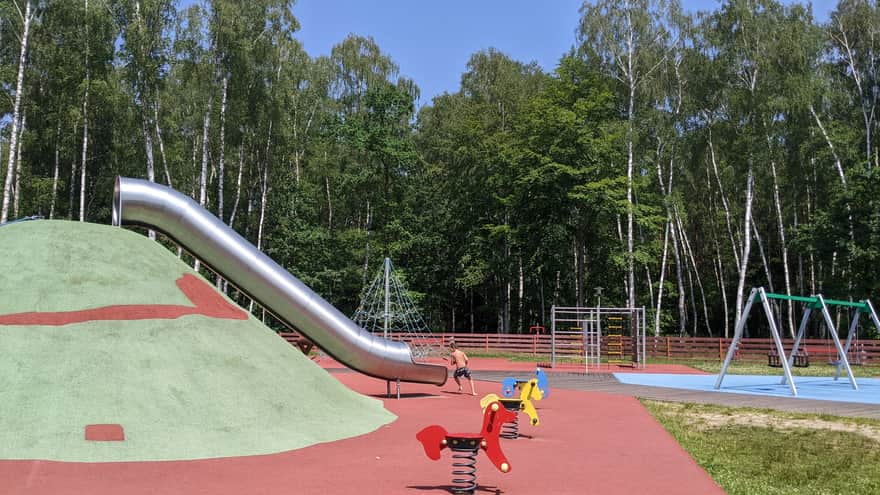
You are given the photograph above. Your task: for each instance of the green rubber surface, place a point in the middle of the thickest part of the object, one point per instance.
(188, 388)
(51, 265)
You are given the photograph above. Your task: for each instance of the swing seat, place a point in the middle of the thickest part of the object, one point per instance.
(801, 360)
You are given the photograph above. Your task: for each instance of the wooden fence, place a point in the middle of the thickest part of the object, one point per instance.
(866, 352)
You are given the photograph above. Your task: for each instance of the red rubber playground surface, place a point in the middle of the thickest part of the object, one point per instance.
(587, 442)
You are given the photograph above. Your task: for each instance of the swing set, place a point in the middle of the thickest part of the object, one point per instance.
(797, 358)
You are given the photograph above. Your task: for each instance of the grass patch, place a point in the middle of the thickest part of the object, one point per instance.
(757, 451)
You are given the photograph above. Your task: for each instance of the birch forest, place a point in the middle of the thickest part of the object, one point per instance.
(671, 159)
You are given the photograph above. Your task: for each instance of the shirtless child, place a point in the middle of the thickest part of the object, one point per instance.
(460, 360)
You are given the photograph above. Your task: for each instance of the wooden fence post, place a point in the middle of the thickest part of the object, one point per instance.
(667, 347)
(720, 349)
(487, 342)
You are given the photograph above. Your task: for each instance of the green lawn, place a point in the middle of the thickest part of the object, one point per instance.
(756, 451)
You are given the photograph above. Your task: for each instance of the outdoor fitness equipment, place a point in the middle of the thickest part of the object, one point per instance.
(787, 361)
(466, 446)
(529, 392)
(510, 385)
(590, 331)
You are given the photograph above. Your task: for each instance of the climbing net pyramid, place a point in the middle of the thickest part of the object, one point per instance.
(386, 309)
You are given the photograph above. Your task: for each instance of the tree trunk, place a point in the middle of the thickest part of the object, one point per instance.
(578, 273)
(56, 172)
(505, 322)
(471, 315)
(659, 306)
(237, 184)
(203, 176)
(17, 198)
(519, 296)
(766, 265)
(203, 173)
(221, 174)
(734, 245)
(71, 190)
(679, 279)
(691, 291)
(744, 259)
(666, 191)
(630, 268)
(838, 165)
(848, 51)
(161, 144)
(264, 195)
(16, 110)
(329, 203)
(784, 247)
(368, 224)
(689, 252)
(85, 116)
(84, 161)
(151, 163)
(620, 239)
(264, 190)
(723, 287)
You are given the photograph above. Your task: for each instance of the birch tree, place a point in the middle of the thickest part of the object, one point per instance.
(85, 117)
(26, 17)
(629, 38)
(854, 30)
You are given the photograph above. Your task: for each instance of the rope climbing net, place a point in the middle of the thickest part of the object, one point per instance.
(388, 310)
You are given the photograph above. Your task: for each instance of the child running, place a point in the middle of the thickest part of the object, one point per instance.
(460, 360)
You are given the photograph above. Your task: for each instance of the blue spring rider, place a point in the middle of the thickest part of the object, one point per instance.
(509, 386)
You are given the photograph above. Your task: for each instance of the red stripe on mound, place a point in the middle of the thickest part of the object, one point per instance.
(206, 301)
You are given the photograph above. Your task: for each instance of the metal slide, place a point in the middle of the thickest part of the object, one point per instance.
(158, 207)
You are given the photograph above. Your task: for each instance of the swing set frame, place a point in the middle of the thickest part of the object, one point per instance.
(816, 302)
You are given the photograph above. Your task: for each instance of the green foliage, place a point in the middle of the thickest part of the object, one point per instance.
(502, 197)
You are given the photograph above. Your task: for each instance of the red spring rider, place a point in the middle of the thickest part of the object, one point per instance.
(466, 446)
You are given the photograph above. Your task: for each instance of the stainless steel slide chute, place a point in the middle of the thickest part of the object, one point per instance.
(144, 203)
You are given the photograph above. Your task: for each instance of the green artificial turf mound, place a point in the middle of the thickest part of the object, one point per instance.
(188, 388)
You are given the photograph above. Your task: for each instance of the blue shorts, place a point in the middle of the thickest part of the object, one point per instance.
(459, 372)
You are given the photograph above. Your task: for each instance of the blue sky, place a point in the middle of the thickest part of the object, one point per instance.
(432, 40)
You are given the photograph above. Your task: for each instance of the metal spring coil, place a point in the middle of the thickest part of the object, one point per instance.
(510, 430)
(464, 471)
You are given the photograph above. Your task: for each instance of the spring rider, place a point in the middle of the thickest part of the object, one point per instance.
(528, 392)
(509, 386)
(466, 446)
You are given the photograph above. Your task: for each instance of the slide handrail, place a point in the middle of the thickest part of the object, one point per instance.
(144, 203)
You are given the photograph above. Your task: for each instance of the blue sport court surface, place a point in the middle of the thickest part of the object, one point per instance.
(808, 387)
